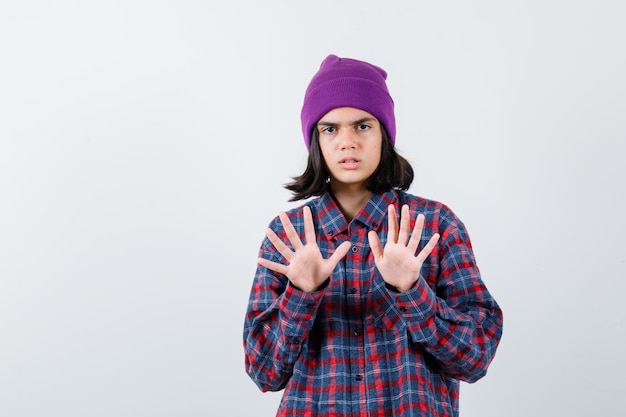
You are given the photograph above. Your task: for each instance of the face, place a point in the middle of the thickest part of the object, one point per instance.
(351, 142)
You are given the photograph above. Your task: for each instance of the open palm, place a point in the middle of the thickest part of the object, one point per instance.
(397, 262)
(306, 268)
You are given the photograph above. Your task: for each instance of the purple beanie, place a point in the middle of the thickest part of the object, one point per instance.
(345, 82)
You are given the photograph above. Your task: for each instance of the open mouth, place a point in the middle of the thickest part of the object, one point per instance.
(349, 162)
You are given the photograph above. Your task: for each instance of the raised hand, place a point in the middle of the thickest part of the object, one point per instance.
(398, 263)
(306, 268)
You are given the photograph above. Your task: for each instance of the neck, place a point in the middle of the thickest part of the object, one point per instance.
(350, 201)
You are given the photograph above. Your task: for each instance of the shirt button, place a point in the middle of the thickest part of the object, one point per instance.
(359, 377)
(355, 249)
(353, 290)
(403, 309)
(356, 332)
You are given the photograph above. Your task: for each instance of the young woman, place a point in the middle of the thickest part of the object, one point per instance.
(367, 300)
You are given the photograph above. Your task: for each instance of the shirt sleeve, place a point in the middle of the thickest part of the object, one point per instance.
(278, 320)
(449, 312)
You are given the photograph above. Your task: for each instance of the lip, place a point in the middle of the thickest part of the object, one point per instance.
(349, 162)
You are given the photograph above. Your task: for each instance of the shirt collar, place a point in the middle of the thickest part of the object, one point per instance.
(375, 211)
(372, 215)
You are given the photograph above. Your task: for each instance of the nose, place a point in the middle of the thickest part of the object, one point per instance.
(347, 139)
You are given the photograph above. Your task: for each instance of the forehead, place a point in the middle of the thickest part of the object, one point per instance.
(346, 115)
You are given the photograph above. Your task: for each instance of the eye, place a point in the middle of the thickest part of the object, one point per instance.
(329, 129)
(363, 127)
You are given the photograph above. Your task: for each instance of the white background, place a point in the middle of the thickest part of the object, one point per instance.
(143, 146)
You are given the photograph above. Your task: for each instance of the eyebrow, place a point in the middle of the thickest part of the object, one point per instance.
(354, 123)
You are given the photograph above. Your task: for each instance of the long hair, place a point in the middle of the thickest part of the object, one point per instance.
(393, 172)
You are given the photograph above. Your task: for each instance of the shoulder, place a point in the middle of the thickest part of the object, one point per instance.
(295, 214)
(438, 218)
(429, 208)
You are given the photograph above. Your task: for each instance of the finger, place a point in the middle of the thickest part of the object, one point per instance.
(392, 222)
(416, 236)
(309, 228)
(405, 225)
(375, 246)
(339, 253)
(279, 244)
(274, 266)
(421, 257)
(292, 235)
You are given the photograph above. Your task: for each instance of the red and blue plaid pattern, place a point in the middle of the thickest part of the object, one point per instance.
(357, 348)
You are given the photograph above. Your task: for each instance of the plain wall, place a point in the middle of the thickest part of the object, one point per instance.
(143, 148)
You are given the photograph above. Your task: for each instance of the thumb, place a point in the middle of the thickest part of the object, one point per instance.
(374, 242)
(339, 253)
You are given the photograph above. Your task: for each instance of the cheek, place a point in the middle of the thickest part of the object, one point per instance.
(376, 155)
(324, 154)
(326, 150)
(325, 158)
(378, 159)
(376, 164)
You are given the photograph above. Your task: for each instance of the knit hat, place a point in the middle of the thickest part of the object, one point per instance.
(345, 82)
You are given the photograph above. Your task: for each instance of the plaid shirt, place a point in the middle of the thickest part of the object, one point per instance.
(357, 348)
